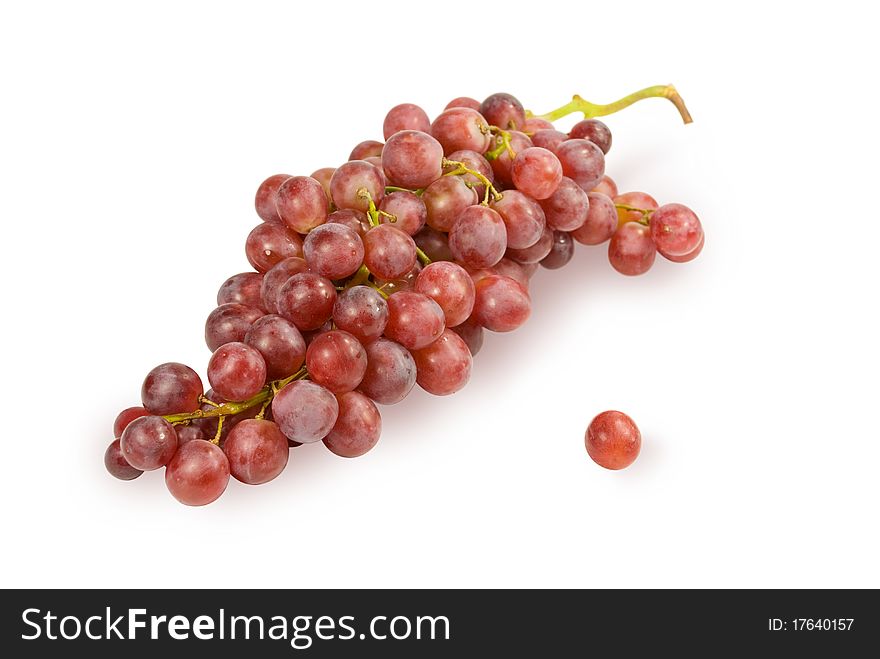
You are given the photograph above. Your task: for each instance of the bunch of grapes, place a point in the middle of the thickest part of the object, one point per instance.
(383, 273)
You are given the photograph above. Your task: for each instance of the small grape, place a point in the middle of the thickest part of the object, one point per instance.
(513, 269)
(523, 218)
(307, 300)
(412, 159)
(444, 366)
(435, 244)
(536, 252)
(561, 252)
(613, 440)
(607, 187)
(686, 257)
(171, 388)
(305, 411)
(336, 360)
(148, 443)
(582, 161)
(333, 250)
(536, 172)
(445, 199)
(502, 304)
(264, 202)
(366, 149)
(323, 177)
(188, 433)
(601, 222)
(243, 288)
(198, 473)
(408, 210)
(276, 277)
(593, 130)
(227, 323)
(567, 208)
(631, 250)
(471, 333)
(548, 138)
(257, 451)
(362, 312)
(478, 237)
(414, 320)
(534, 124)
(405, 116)
(125, 417)
(280, 343)
(357, 427)
(463, 102)
(237, 371)
(352, 219)
(676, 230)
(451, 287)
(461, 128)
(390, 374)
(389, 253)
(302, 204)
(504, 110)
(117, 465)
(270, 242)
(350, 179)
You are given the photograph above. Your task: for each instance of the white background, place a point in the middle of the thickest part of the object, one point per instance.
(133, 138)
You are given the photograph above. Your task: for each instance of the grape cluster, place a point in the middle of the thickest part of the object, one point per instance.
(380, 274)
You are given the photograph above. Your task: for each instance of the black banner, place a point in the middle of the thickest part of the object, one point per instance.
(444, 623)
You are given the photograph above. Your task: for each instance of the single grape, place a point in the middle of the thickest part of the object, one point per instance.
(362, 312)
(198, 473)
(519, 272)
(504, 110)
(280, 343)
(270, 242)
(450, 286)
(302, 204)
(171, 388)
(276, 277)
(536, 252)
(607, 187)
(405, 116)
(323, 177)
(582, 161)
(502, 304)
(534, 124)
(307, 300)
(471, 333)
(408, 210)
(243, 288)
(264, 202)
(522, 216)
(613, 440)
(640, 200)
(461, 128)
(690, 256)
(549, 139)
(478, 238)
(414, 320)
(257, 451)
(188, 433)
(631, 250)
(117, 465)
(336, 360)
(463, 102)
(333, 250)
(593, 130)
(412, 159)
(536, 172)
(390, 374)
(305, 411)
(567, 208)
(229, 322)
(237, 371)
(357, 427)
(476, 162)
(502, 165)
(125, 417)
(148, 443)
(561, 251)
(435, 244)
(601, 222)
(445, 199)
(444, 366)
(389, 253)
(676, 230)
(366, 149)
(349, 182)
(351, 218)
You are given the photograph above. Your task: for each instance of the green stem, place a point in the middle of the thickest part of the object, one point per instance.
(394, 188)
(422, 256)
(502, 139)
(461, 169)
(590, 110)
(646, 212)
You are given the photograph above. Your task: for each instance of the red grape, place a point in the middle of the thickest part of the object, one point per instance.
(601, 222)
(243, 288)
(198, 473)
(125, 417)
(536, 252)
(148, 443)
(522, 216)
(450, 286)
(408, 210)
(257, 451)
(534, 124)
(366, 149)
(513, 269)
(502, 304)
(280, 343)
(593, 130)
(412, 159)
(631, 250)
(357, 427)
(189, 433)
(117, 465)
(305, 411)
(690, 256)
(333, 250)
(301, 204)
(566, 209)
(582, 161)
(444, 366)
(637, 200)
(362, 312)
(478, 238)
(336, 360)
(276, 277)
(435, 244)
(352, 219)
(504, 110)
(414, 320)
(307, 300)
(237, 371)
(229, 322)
(461, 128)
(405, 116)
(323, 177)
(549, 139)
(561, 251)
(502, 165)
(463, 102)
(607, 187)
(390, 374)
(171, 388)
(536, 172)
(264, 201)
(350, 179)
(270, 242)
(471, 333)
(676, 230)
(613, 440)
(389, 253)
(445, 199)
